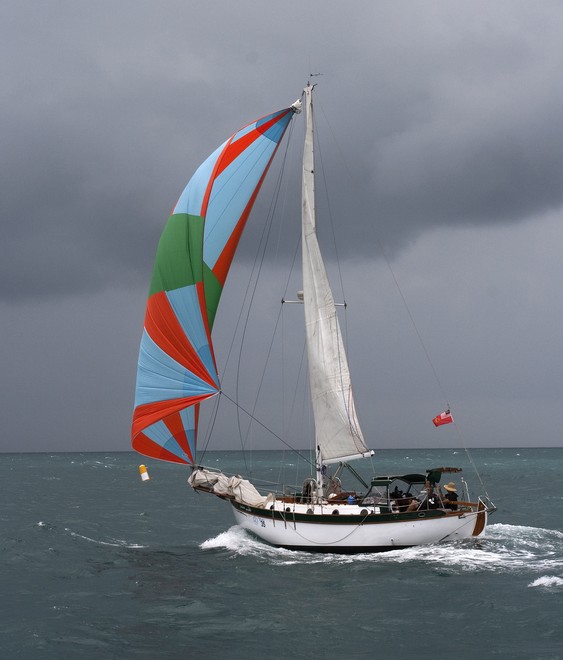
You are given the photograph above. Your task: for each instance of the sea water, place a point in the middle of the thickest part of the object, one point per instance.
(98, 564)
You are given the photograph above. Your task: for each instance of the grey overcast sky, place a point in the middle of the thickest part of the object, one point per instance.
(448, 116)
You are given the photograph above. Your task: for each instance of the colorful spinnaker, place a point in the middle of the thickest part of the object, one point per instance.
(176, 369)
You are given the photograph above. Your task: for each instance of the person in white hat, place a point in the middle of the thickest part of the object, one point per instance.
(450, 496)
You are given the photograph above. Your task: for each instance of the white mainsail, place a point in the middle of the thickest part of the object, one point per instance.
(337, 430)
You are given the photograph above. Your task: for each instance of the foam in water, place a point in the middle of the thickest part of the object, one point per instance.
(547, 581)
(115, 543)
(238, 541)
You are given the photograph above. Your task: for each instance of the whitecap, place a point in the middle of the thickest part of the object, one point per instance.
(45, 525)
(547, 581)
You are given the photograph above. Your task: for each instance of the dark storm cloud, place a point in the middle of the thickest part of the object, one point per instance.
(443, 116)
(466, 132)
(97, 143)
(483, 160)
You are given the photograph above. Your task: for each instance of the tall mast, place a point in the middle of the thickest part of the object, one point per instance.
(309, 226)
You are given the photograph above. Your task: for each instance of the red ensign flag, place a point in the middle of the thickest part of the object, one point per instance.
(443, 418)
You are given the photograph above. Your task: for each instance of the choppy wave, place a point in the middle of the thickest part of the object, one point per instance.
(91, 463)
(547, 581)
(505, 548)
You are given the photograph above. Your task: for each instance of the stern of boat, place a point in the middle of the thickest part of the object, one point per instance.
(481, 519)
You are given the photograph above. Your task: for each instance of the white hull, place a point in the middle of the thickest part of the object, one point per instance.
(372, 534)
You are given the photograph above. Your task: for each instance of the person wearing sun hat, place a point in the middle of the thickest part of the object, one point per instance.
(450, 497)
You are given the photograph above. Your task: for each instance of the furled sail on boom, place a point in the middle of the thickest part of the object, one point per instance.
(176, 369)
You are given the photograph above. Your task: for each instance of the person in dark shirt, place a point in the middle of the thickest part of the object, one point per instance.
(450, 496)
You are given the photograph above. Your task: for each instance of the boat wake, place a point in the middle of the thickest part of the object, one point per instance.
(240, 543)
(114, 543)
(506, 548)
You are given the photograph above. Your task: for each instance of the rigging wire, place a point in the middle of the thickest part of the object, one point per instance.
(211, 425)
(245, 310)
(259, 254)
(255, 275)
(409, 313)
(426, 352)
(329, 209)
(247, 294)
(266, 428)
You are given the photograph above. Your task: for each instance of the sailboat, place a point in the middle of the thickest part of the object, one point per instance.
(177, 372)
